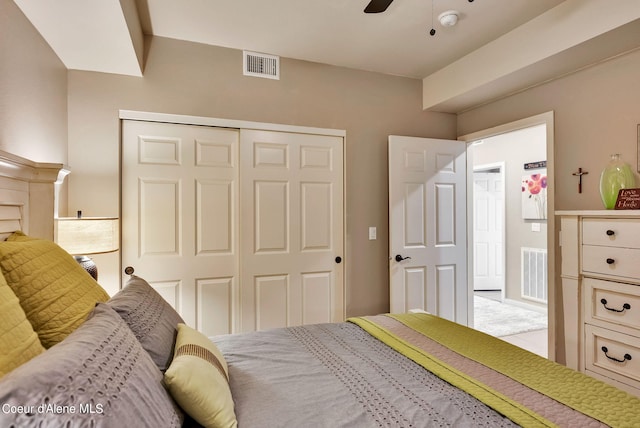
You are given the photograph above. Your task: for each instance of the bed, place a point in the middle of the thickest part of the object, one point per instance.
(73, 356)
(408, 370)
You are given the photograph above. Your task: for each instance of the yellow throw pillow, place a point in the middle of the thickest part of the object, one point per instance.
(18, 342)
(198, 380)
(55, 292)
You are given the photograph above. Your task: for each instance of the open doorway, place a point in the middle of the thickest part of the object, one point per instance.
(509, 238)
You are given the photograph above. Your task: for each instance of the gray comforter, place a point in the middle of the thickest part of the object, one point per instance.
(337, 375)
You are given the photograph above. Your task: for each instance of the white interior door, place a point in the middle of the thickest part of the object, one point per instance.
(488, 224)
(427, 226)
(179, 217)
(292, 229)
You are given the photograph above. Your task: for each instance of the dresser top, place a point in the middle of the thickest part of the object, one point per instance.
(599, 213)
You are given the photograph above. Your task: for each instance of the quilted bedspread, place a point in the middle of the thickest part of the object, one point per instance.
(338, 375)
(530, 390)
(412, 370)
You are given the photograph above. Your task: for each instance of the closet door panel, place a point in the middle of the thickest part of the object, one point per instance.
(180, 217)
(292, 229)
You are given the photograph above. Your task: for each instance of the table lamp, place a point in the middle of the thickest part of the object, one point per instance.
(82, 236)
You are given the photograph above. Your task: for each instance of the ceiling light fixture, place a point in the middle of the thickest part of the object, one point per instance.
(448, 18)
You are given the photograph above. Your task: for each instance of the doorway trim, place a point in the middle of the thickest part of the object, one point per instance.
(547, 119)
(226, 123)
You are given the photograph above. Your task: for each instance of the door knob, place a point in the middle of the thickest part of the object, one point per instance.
(399, 258)
(129, 270)
(338, 259)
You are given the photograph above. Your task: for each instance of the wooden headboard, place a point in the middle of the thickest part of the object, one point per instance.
(28, 195)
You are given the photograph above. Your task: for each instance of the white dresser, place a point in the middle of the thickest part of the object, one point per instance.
(601, 294)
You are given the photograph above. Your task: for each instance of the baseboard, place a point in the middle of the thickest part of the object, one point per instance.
(524, 305)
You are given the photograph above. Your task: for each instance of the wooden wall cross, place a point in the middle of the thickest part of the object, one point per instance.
(579, 174)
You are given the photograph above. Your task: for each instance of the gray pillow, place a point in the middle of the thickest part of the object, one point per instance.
(97, 376)
(150, 317)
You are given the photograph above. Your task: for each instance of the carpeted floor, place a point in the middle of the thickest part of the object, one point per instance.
(501, 319)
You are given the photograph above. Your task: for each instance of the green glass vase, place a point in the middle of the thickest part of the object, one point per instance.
(617, 175)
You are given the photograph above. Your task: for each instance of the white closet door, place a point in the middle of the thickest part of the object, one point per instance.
(179, 217)
(292, 229)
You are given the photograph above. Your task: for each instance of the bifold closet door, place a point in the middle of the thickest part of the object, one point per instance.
(291, 229)
(179, 217)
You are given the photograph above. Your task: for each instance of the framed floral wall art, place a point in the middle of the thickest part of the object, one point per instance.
(534, 195)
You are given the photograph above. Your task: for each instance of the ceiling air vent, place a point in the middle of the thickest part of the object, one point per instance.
(261, 65)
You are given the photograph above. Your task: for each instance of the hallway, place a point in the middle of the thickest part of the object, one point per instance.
(519, 326)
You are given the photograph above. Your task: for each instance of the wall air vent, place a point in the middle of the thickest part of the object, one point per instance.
(534, 273)
(261, 65)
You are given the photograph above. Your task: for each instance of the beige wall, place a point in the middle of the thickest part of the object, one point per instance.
(596, 112)
(33, 98)
(200, 80)
(33, 91)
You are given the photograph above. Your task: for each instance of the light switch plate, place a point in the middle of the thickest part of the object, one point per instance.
(373, 233)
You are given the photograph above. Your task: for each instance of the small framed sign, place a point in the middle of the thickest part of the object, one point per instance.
(628, 199)
(535, 165)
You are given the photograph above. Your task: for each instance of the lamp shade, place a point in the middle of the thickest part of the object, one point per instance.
(87, 235)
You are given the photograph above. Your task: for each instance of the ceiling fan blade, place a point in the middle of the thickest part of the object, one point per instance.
(377, 6)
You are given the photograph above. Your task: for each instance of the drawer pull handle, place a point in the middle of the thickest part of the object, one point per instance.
(610, 232)
(625, 307)
(626, 356)
(610, 261)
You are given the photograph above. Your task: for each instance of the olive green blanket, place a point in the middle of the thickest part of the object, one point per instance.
(530, 390)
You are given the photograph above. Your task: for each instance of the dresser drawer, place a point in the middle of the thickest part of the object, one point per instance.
(610, 232)
(612, 354)
(612, 302)
(620, 262)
